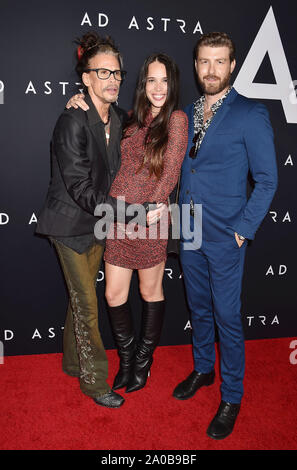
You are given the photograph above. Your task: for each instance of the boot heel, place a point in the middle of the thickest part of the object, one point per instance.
(139, 377)
(152, 321)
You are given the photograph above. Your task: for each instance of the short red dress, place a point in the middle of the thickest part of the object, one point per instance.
(148, 247)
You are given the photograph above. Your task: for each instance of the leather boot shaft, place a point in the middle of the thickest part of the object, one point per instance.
(151, 329)
(124, 336)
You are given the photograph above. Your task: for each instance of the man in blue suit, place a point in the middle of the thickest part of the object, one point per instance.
(229, 137)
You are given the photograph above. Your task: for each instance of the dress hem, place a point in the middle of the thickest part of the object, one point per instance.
(147, 266)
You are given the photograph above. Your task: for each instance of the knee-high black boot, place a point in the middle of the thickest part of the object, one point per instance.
(152, 322)
(124, 337)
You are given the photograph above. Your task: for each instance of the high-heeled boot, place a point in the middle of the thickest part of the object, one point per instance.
(152, 322)
(124, 337)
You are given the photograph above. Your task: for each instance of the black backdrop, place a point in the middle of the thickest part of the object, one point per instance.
(37, 78)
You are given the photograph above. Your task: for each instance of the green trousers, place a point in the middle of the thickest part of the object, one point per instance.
(83, 350)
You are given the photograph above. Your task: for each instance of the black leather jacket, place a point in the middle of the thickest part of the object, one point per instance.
(83, 169)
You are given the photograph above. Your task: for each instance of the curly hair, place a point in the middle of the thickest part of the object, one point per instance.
(215, 39)
(92, 44)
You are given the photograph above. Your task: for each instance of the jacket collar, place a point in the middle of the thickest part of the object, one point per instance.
(92, 113)
(218, 118)
(115, 129)
(97, 128)
(94, 117)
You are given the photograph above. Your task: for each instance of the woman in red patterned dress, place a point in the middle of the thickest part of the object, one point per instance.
(153, 148)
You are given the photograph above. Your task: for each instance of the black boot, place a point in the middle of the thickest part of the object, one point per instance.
(124, 337)
(152, 322)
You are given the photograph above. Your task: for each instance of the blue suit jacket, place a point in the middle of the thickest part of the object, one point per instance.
(238, 140)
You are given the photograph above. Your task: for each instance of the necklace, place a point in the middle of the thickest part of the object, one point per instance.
(107, 130)
(108, 119)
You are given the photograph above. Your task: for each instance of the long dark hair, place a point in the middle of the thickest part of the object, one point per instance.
(157, 135)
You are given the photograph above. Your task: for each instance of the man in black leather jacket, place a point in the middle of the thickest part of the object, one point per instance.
(85, 151)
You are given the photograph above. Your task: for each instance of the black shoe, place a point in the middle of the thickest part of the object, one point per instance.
(124, 337)
(189, 387)
(110, 400)
(152, 322)
(223, 423)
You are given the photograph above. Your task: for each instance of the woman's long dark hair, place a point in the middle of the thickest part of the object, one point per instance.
(157, 136)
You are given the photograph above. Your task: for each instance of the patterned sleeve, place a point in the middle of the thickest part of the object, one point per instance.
(174, 155)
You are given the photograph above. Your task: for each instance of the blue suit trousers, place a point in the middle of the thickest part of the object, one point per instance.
(213, 280)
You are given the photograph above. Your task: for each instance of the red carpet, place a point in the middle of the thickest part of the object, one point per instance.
(42, 408)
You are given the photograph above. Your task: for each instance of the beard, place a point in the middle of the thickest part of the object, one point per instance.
(216, 87)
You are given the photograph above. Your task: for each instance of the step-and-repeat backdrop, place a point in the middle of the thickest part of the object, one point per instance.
(36, 79)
